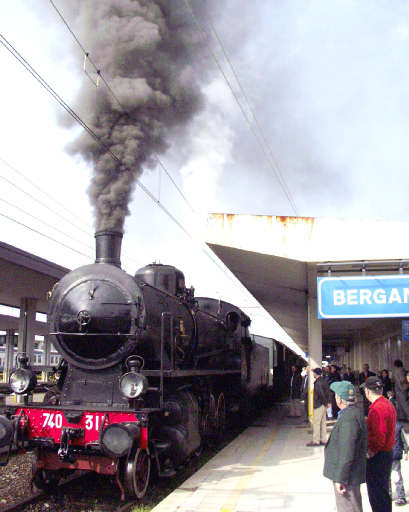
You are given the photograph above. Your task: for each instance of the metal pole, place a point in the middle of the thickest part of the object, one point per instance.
(9, 354)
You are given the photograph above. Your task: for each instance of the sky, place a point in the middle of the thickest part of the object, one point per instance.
(323, 85)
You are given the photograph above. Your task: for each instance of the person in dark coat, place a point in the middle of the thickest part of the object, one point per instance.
(401, 388)
(387, 383)
(345, 451)
(362, 379)
(349, 376)
(295, 392)
(321, 401)
(304, 391)
(399, 447)
(334, 376)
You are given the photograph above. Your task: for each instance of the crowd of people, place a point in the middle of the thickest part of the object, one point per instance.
(368, 440)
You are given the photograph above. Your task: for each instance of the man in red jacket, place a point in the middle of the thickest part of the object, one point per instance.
(381, 423)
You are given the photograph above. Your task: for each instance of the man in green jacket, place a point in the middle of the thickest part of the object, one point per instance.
(345, 451)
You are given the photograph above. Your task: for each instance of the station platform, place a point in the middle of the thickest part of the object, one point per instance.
(268, 467)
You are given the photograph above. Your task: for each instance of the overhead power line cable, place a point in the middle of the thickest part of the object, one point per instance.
(53, 211)
(248, 103)
(86, 54)
(34, 198)
(58, 98)
(44, 235)
(176, 187)
(75, 116)
(49, 196)
(261, 141)
(112, 92)
(64, 233)
(204, 247)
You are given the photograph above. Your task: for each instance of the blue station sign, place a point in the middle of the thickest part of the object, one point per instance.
(363, 297)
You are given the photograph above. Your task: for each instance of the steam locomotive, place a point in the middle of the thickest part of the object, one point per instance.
(148, 374)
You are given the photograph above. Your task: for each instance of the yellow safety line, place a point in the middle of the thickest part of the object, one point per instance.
(233, 499)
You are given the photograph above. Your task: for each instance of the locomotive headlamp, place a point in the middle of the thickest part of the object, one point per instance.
(117, 439)
(22, 381)
(133, 384)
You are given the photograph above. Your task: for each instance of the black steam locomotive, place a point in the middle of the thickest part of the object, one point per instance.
(147, 376)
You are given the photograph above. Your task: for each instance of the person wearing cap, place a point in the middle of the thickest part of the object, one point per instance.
(381, 423)
(321, 401)
(345, 451)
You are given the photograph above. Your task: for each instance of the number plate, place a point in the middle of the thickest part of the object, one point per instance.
(44, 423)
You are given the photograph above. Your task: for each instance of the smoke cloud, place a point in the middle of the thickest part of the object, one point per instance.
(147, 52)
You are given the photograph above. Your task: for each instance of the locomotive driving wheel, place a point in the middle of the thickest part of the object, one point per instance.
(137, 472)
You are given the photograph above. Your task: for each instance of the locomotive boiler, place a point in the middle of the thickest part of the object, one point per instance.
(148, 374)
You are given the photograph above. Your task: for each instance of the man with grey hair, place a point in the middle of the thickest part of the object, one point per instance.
(345, 451)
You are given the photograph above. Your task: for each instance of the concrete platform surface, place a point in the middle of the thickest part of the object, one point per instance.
(266, 468)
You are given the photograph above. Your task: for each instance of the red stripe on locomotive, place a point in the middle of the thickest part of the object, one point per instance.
(48, 424)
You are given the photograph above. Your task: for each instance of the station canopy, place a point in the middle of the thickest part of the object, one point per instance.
(25, 275)
(278, 259)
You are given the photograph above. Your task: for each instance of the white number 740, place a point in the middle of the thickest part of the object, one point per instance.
(52, 420)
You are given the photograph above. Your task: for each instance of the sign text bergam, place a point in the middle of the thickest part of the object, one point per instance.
(363, 297)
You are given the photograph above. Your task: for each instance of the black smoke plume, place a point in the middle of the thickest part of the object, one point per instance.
(147, 51)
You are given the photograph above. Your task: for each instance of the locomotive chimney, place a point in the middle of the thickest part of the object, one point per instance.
(108, 247)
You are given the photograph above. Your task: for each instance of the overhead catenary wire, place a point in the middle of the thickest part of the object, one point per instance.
(31, 196)
(261, 141)
(76, 117)
(256, 121)
(34, 198)
(86, 54)
(64, 233)
(58, 98)
(49, 196)
(44, 235)
(157, 201)
(115, 97)
(176, 186)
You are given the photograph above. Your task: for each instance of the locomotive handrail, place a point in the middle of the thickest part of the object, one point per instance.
(162, 349)
(58, 333)
(188, 373)
(212, 353)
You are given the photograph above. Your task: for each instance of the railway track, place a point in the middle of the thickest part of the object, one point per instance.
(37, 496)
(92, 492)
